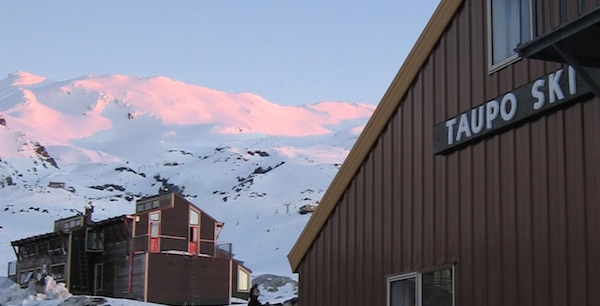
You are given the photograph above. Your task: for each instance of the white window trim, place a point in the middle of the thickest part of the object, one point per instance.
(418, 283)
(392, 279)
(248, 280)
(511, 59)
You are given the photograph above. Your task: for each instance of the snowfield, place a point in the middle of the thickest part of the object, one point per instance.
(113, 139)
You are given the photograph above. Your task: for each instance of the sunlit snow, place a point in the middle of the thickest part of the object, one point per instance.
(112, 139)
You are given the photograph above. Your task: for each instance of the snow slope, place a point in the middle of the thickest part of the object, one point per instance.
(112, 139)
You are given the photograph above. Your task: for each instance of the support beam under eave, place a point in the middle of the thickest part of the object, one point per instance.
(570, 59)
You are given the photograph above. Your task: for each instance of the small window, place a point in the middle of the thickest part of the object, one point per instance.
(431, 288)
(194, 217)
(12, 268)
(154, 227)
(55, 245)
(95, 240)
(154, 224)
(98, 277)
(243, 280)
(194, 235)
(509, 24)
(38, 273)
(25, 276)
(58, 271)
(140, 207)
(28, 250)
(155, 203)
(402, 291)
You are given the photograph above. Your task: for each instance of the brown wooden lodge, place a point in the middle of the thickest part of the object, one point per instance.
(477, 179)
(166, 253)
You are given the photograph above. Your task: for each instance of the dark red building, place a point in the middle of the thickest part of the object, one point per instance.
(476, 181)
(166, 252)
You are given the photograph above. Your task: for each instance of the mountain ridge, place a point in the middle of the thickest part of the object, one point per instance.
(113, 139)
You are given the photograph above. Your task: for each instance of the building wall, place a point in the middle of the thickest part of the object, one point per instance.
(236, 291)
(44, 258)
(80, 280)
(139, 277)
(174, 227)
(550, 14)
(516, 214)
(175, 221)
(116, 266)
(188, 280)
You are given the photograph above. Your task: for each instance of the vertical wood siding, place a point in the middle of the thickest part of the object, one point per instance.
(139, 281)
(192, 280)
(516, 213)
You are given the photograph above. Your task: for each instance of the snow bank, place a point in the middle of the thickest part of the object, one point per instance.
(34, 294)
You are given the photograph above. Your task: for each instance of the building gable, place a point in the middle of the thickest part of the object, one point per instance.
(432, 33)
(489, 217)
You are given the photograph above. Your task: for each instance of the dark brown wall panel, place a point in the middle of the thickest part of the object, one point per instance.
(174, 221)
(190, 283)
(428, 187)
(368, 252)
(558, 258)
(440, 166)
(397, 225)
(388, 190)
(591, 123)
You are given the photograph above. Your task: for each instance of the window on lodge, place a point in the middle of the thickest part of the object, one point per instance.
(26, 276)
(194, 235)
(55, 246)
(58, 271)
(68, 225)
(509, 24)
(144, 206)
(95, 240)
(98, 276)
(432, 288)
(154, 224)
(243, 280)
(154, 231)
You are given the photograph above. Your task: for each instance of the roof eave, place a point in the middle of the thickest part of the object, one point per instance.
(419, 54)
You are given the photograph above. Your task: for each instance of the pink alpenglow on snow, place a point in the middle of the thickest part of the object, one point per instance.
(111, 139)
(19, 78)
(99, 100)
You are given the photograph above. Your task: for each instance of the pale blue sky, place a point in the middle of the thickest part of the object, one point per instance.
(288, 52)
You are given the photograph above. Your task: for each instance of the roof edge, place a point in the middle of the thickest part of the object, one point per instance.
(419, 54)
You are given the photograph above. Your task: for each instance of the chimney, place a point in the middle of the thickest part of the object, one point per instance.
(88, 214)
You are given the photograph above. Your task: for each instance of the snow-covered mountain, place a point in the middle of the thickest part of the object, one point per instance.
(112, 139)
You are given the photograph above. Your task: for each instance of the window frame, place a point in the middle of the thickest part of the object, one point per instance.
(154, 224)
(53, 270)
(494, 67)
(98, 277)
(197, 214)
(95, 236)
(418, 277)
(12, 269)
(248, 280)
(25, 276)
